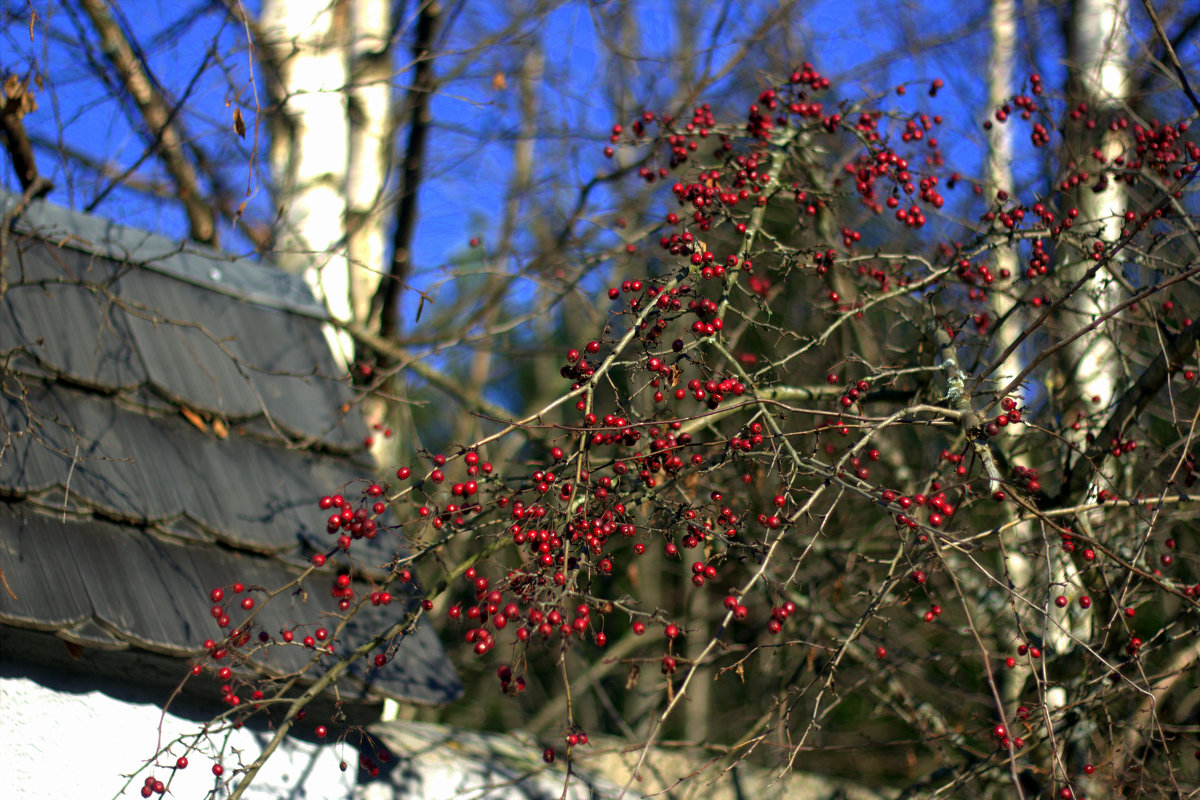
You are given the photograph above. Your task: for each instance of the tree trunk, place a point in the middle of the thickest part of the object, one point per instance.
(310, 134)
(1097, 41)
(1097, 45)
(369, 103)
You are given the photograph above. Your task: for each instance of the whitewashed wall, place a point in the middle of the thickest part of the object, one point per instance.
(76, 745)
(67, 744)
(79, 743)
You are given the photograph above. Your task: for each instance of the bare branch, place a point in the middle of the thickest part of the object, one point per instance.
(159, 117)
(385, 306)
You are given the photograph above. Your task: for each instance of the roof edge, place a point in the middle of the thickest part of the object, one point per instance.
(210, 269)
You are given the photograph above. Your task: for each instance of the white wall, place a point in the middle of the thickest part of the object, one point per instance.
(77, 745)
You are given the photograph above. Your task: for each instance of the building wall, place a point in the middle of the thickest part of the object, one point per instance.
(67, 740)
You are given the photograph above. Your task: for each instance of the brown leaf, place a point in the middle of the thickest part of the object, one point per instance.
(74, 650)
(499, 82)
(195, 419)
(220, 428)
(18, 100)
(673, 376)
(239, 124)
(631, 680)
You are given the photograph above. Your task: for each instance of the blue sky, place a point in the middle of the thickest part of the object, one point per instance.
(199, 55)
(78, 110)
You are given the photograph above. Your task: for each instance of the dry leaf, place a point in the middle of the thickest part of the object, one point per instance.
(74, 650)
(499, 82)
(195, 419)
(631, 680)
(673, 376)
(239, 124)
(741, 672)
(18, 101)
(220, 428)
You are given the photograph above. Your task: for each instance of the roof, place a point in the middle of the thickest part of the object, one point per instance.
(169, 419)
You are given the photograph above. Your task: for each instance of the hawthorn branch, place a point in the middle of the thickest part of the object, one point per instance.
(970, 420)
(17, 209)
(408, 622)
(1131, 405)
(1109, 256)
(1083, 331)
(159, 117)
(1171, 55)
(1181, 667)
(408, 361)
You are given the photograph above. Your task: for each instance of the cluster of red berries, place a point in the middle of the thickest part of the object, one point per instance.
(354, 523)
(779, 615)
(1028, 479)
(220, 606)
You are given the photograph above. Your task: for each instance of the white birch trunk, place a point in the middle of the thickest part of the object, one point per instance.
(1098, 41)
(310, 146)
(369, 106)
(369, 97)
(1002, 26)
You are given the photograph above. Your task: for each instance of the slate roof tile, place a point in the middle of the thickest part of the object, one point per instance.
(168, 420)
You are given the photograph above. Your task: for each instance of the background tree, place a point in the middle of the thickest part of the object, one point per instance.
(760, 408)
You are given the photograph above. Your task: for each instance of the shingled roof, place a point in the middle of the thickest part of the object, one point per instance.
(169, 419)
